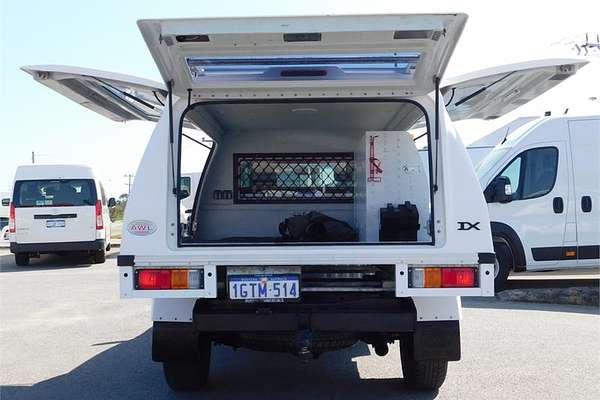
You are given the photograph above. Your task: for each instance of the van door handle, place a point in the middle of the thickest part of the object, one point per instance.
(558, 205)
(586, 204)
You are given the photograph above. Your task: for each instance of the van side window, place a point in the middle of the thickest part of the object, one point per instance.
(513, 172)
(540, 172)
(532, 173)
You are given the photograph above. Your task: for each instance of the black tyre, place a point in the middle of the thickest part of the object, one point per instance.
(421, 374)
(187, 375)
(22, 259)
(503, 266)
(99, 256)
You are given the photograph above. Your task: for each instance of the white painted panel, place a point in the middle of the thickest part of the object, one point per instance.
(403, 177)
(585, 149)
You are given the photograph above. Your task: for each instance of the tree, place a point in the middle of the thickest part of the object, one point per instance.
(116, 212)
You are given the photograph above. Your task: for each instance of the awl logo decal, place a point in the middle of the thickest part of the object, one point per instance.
(141, 227)
(467, 226)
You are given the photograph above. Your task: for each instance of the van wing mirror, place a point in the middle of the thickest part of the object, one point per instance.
(112, 202)
(499, 190)
(183, 194)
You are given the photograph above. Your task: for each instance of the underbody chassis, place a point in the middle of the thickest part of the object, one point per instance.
(309, 328)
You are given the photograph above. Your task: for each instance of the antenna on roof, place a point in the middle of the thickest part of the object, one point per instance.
(566, 111)
(581, 45)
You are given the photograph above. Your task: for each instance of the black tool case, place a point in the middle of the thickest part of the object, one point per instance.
(399, 223)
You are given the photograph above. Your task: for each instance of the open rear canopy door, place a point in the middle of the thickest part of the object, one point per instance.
(493, 92)
(115, 96)
(406, 52)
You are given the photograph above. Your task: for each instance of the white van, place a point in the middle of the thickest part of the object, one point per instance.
(4, 209)
(542, 185)
(480, 148)
(4, 212)
(492, 92)
(58, 209)
(315, 224)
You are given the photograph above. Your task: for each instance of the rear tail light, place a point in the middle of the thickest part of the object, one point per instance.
(446, 276)
(99, 221)
(154, 279)
(12, 227)
(157, 279)
(458, 277)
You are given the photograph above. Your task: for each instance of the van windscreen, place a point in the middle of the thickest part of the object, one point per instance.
(54, 193)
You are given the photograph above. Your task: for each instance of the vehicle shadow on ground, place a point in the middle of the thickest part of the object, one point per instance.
(126, 371)
(49, 262)
(487, 302)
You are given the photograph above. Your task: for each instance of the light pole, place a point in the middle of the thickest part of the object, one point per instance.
(129, 178)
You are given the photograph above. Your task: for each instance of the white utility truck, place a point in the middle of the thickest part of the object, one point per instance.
(315, 224)
(58, 209)
(543, 188)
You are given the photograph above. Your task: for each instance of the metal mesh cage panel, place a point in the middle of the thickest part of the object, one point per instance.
(292, 177)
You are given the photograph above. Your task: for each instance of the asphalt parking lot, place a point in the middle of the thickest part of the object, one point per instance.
(65, 334)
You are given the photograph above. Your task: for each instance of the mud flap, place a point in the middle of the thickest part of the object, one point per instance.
(437, 340)
(174, 341)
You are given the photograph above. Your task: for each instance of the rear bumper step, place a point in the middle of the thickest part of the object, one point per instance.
(357, 316)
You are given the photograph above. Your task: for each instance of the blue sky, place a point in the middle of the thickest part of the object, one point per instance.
(104, 35)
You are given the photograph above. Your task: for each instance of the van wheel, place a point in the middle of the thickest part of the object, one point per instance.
(22, 259)
(99, 256)
(503, 265)
(421, 374)
(186, 375)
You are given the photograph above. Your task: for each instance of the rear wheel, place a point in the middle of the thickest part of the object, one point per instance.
(503, 265)
(99, 256)
(22, 259)
(186, 375)
(421, 374)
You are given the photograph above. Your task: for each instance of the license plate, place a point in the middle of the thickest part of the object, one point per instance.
(267, 285)
(55, 223)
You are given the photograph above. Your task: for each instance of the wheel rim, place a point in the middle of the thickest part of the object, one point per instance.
(496, 268)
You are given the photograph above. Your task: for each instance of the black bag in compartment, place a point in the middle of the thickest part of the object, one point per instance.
(316, 227)
(397, 224)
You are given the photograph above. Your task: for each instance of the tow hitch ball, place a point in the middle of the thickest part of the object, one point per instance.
(304, 345)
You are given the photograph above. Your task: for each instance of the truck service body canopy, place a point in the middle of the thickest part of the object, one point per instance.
(492, 92)
(116, 96)
(407, 52)
(485, 94)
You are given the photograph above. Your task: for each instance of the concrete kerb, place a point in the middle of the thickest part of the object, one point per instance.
(587, 296)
